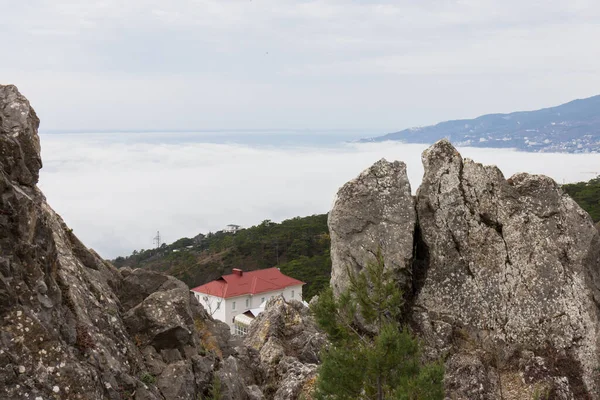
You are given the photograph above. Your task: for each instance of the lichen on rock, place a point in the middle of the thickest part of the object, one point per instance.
(288, 343)
(72, 325)
(512, 263)
(503, 275)
(373, 212)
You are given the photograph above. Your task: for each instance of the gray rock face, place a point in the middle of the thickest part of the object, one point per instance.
(505, 273)
(71, 325)
(177, 382)
(288, 345)
(19, 142)
(233, 386)
(512, 266)
(74, 327)
(373, 211)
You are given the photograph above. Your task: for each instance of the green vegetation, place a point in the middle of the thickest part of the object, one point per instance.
(365, 365)
(215, 392)
(541, 392)
(148, 378)
(297, 246)
(315, 271)
(587, 195)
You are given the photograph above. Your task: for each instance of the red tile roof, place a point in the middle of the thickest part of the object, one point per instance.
(251, 282)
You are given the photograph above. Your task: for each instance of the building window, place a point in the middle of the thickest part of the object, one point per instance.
(240, 330)
(247, 303)
(233, 306)
(292, 294)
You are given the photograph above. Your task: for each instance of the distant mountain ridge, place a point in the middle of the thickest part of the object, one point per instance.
(572, 127)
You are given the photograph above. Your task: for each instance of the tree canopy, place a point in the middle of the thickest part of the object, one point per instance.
(587, 195)
(299, 247)
(375, 358)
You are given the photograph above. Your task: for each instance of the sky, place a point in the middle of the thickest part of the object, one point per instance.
(117, 190)
(266, 64)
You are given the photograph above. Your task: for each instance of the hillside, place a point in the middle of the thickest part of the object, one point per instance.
(573, 127)
(587, 195)
(299, 247)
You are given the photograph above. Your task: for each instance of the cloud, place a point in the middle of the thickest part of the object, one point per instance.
(117, 190)
(276, 63)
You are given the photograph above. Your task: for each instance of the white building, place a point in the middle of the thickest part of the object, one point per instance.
(238, 297)
(232, 228)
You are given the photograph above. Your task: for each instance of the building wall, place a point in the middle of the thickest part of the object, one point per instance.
(226, 311)
(216, 306)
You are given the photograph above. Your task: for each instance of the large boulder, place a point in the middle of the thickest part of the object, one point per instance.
(511, 274)
(288, 343)
(60, 330)
(19, 142)
(71, 325)
(373, 212)
(502, 276)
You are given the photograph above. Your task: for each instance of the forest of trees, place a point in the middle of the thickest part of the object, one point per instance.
(587, 195)
(299, 247)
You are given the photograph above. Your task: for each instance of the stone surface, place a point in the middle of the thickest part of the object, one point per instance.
(71, 325)
(297, 379)
(373, 211)
(19, 142)
(503, 275)
(288, 344)
(177, 382)
(510, 265)
(233, 386)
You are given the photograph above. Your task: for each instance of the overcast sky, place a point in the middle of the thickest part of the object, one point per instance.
(207, 64)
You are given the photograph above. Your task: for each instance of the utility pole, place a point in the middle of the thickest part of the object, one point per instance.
(157, 239)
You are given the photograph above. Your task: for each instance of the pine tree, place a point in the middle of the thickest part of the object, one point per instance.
(361, 364)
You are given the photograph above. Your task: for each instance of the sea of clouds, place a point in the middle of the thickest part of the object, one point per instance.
(117, 190)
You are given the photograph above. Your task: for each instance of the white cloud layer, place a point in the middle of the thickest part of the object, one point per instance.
(388, 65)
(117, 190)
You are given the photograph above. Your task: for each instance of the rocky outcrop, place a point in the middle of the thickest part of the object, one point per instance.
(19, 142)
(512, 268)
(505, 273)
(288, 344)
(502, 280)
(74, 327)
(71, 325)
(374, 212)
